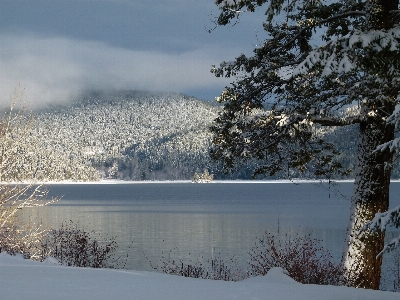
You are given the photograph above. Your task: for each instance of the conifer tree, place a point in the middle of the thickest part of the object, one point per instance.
(323, 63)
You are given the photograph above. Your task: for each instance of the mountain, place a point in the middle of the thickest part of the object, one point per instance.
(128, 135)
(133, 135)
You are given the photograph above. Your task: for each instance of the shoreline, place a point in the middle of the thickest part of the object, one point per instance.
(237, 181)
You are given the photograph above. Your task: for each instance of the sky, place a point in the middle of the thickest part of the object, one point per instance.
(55, 49)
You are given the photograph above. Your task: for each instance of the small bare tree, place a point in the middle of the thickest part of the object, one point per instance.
(15, 196)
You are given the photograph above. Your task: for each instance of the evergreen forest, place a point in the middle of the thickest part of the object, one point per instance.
(135, 135)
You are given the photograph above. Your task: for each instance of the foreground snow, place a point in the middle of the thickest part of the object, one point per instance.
(25, 279)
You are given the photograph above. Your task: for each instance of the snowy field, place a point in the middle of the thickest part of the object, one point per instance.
(24, 279)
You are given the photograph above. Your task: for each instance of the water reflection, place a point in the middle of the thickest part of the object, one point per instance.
(200, 220)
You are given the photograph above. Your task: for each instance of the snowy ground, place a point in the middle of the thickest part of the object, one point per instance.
(24, 279)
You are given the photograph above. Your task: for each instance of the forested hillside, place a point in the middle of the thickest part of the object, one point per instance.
(125, 135)
(133, 135)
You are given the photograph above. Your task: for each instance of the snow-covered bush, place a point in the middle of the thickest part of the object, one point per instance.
(203, 177)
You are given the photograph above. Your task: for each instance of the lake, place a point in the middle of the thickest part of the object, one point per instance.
(200, 221)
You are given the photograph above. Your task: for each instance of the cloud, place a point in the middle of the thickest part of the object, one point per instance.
(57, 69)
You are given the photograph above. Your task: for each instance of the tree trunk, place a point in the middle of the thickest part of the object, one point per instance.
(361, 266)
(371, 195)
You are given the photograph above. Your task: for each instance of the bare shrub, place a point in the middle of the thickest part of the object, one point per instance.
(74, 246)
(15, 197)
(15, 235)
(304, 259)
(71, 245)
(213, 268)
(225, 270)
(192, 269)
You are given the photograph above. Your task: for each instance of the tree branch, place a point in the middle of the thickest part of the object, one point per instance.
(327, 20)
(332, 121)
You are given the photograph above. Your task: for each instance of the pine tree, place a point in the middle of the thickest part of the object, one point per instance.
(290, 89)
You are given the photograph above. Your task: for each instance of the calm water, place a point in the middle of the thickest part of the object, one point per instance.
(150, 220)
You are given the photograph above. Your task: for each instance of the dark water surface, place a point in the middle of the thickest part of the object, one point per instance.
(203, 220)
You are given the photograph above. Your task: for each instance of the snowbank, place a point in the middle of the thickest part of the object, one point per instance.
(24, 279)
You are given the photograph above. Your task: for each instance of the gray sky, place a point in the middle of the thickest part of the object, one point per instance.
(56, 48)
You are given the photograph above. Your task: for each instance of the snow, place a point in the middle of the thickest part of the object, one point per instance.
(380, 222)
(334, 56)
(25, 279)
(228, 3)
(378, 39)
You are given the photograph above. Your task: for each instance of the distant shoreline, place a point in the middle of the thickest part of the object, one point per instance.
(105, 181)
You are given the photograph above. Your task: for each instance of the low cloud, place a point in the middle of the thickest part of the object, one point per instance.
(55, 70)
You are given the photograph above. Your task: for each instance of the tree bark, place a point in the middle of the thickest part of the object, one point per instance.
(361, 266)
(370, 196)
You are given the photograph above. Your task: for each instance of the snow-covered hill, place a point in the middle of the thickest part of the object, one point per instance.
(133, 135)
(125, 135)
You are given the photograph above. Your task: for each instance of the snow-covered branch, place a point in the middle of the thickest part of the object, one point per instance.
(392, 145)
(394, 119)
(316, 23)
(335, 121)
(380, 222)
(340, 55)
(319, 119)
(393, 244)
